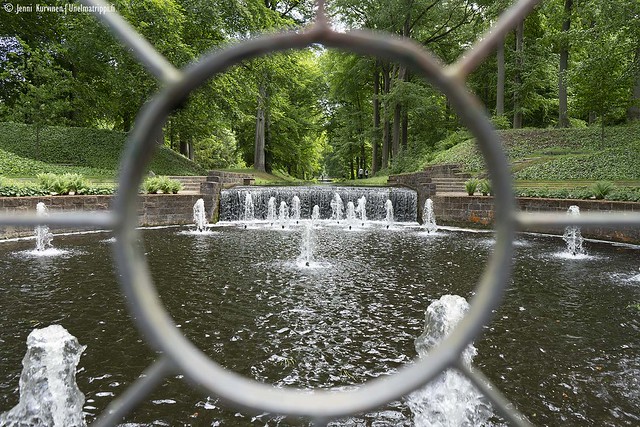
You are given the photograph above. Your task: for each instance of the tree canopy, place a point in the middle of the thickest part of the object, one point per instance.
(569, 63)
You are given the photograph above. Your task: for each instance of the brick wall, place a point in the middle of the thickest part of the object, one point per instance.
(153, 209)
(478, 211)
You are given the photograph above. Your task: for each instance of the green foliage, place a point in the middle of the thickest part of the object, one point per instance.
(501, 122)
(155, 184)
(560, 154)
(32, 150)
(471, 185)
(601, 189)
(485, 187)
(48, 184)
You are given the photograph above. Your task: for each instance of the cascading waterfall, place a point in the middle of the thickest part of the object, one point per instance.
(337, 207)
(295, 209)
(49, 395)
(572, 236)
(361, 209)
(428, 217)
(271, 210)
(200, 216)
(404, 201)
(283, 216)
(388, 206)
(450, 399)
(248, 208)
(43, 236)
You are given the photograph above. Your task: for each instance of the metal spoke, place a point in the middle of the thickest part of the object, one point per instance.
(487, 44)
(101, 219)
(155, 62)
(499, 402)
(139, 390)
(525, 219)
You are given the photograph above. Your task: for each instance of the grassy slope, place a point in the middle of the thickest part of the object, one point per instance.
(92, 152)
(561, 154)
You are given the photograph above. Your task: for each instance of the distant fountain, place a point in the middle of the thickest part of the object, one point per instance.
(200, 216)
(572, 236)
(337, 207)
(295, 209)
(49, 395)
(43, 236)
(388, 206)
(306, 246)
(271, 210)
(248, 208)
(428, 217)
(351, 215)
(315, 214)
(283, 216)
(450, 399)
(361, 209)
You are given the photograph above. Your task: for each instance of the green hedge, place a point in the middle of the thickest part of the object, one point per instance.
(98, 150)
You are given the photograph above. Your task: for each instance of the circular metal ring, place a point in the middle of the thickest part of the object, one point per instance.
(158, 326)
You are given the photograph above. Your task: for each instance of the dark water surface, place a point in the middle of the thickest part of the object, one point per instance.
(564, 346)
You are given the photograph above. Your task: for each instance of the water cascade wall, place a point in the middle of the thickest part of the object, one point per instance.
(232, 201)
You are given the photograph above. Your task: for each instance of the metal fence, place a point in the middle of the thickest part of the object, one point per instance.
(178, 353)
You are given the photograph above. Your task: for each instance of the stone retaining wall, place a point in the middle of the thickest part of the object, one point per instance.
(153, 209)
(478, 211)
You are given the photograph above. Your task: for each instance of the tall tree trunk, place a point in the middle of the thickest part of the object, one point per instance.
(500, 85)
(633, 112)
(259, 163)
(563, 117)
(375, 140)
(405, 128)
(191, 149)
(126, 121)
(395, 140)
(517, 96)
(386, 137)
(352, 175)
(184, 146)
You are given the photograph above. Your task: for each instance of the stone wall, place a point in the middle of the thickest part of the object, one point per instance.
(478, 211)
(153, 209)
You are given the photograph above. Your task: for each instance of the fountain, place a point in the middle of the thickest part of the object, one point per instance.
(428, 217)
(271, 210)
(49, 395)
(388, 206)
(337, 207)
(248, 208)
(315, 215)
(306, 246)
(361, 209)
(404, 201)
(351, 214)
(450, 399)
(43, 236)
(295, 209)
(283, 216)
(200, 216)
(572, 236)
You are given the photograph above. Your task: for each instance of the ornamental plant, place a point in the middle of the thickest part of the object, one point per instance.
(471, 185)
(602, 189)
